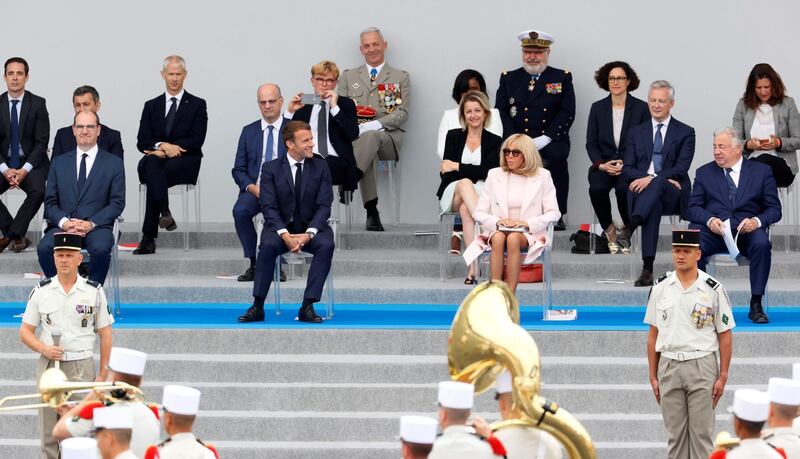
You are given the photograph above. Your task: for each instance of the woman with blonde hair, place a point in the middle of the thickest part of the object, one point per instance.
(517, 203)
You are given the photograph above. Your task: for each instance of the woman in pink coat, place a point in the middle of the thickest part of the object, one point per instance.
(516, 204)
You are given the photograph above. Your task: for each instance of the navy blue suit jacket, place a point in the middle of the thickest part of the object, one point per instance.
(277, 193)
(677, 154)
(247, 165)
(109, 140)
(34, 130)
(756, 195)
(188, 128)
(600, 143)
(103, 196)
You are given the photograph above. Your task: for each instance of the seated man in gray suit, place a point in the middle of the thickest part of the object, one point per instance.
(85, 194)
(386, 91)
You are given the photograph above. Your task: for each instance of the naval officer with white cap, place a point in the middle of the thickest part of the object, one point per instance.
(181, 405)
(784, 401)
(125, 365)
(522, 442)
(112, 429)
(750, 409)
(79, 448)
(459, 440)
(417, 434)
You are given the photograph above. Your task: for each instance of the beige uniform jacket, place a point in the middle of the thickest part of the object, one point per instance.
(460, 442)
(184, 446)
(784, 437)
(529, 443)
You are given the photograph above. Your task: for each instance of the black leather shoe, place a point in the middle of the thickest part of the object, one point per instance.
(560, 226)
(374, 222)
(253, 314)
(757, 314)
(167, 222)
(307, 314)
(248, 275)
(20, 244)
(4, 242)
(147, 246)
(645, 279)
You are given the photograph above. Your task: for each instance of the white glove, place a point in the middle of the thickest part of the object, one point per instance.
(542, 141)
(373, 125)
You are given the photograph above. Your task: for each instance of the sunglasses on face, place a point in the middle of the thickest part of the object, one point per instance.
(508, 152)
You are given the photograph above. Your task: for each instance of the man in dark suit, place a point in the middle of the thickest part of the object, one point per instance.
(259, 143)
(744, 193)
(24, 135)
(85, 194)
(656, 170)
(296, 199)
(86, 98)
(539, 101)
(337, 130)
(171, 135)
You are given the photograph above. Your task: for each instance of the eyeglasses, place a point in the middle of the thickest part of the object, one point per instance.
(85, 127)
(617, 79)
(321, 80)
(515, 153)
(268, 102)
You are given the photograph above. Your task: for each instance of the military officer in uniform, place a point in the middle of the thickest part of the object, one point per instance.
(125, 365)
(539, 101)
(377, 88)
(690, 322)
(78, 448)
(750, 408)
(72, 311)
(784, 401)
(459, 440)
(113, 426)
(181, 405)
(522, 442)
(417, 434)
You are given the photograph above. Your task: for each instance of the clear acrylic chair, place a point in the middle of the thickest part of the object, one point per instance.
(446, 224)
(183, 191)
(790, 207)
(387, 166)
(724, 259)
(37, 221)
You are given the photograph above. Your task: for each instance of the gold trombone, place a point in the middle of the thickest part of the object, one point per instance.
(55, 390)
(486, 337)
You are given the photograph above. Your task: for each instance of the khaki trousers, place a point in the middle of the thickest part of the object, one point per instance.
(686, 405)
(76, 370)
(370, 146)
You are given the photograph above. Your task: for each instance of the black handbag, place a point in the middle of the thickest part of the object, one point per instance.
(580, 240)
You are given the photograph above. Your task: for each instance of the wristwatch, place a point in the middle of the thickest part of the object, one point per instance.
(310, 234)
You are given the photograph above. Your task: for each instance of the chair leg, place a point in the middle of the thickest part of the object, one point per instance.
(185, 224)
(277, 283)
(446, 223)
(142, 198)
(329, 314)
(392, 198)
(197, 209)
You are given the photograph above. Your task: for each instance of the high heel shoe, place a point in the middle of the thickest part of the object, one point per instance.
(470, 280)
(455, 242)
(613, 247)
(624, 241)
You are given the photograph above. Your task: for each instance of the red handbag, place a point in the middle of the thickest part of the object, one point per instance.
(528, 274)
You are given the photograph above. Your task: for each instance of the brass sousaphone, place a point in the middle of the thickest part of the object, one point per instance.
(484, 339)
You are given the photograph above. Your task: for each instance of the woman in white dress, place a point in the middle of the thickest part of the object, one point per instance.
(470, 151)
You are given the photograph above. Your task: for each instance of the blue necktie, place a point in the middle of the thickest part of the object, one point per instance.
(270, 141)
(658, 144)
(171, 114)
(82, 173)
(731, 185)
(14, 145)
(373, 74)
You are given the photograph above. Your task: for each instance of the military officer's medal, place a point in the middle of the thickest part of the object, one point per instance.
(532, 84)
(702, 315)
(389, 96)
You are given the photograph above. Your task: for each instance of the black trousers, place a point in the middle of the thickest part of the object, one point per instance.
(780, 170)
(159, 174)
(34, 188)
(600, 184)
(555, 157)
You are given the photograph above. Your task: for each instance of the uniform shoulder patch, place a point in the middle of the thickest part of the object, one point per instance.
(661, 278)
(566, 72)
(44, 282)
(154, 408)
(712, 283)
(210, 447)
(505, 72)
(151, 452)
(94, 284)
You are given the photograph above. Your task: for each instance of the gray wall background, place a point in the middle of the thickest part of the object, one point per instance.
(704, 48)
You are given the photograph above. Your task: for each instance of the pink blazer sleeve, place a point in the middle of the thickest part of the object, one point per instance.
(549, 205)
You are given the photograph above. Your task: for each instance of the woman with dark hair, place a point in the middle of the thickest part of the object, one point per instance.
(606, 134)
(469, 152)
(769, 123)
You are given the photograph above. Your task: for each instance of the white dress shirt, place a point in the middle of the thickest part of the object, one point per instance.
(293, 168)
(169, 97)
(651, 170)
(91, 155)
(27, 166)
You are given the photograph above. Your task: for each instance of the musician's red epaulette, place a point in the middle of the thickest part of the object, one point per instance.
(87, 412)
(719, 454)
(154, 408)
(210, 447)
(497, 446)
(781, 452)
(151, 452)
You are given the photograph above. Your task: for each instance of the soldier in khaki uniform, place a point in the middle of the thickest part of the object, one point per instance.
(459, 440)
(522, 442)
(126, 365)
(750, 408)
(417, 434)
(784, 401)
(181, 405)
(690, 321)
(72, 312)
(383, 92)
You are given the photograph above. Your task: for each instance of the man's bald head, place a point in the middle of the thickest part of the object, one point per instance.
(270, 101)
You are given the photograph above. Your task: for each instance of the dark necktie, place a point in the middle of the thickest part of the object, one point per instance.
(171, 114)
(270, 140)
(373, 74)
(658, 145)
(298, 190)
(14, 161)
(731, 185)
(82, 173)
(322, 130)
